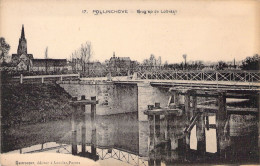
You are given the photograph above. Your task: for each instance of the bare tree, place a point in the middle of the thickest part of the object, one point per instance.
(86, 52)
(82, 56)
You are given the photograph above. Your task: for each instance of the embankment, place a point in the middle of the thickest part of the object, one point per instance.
(32, 103)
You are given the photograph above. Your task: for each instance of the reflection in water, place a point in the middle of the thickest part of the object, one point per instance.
(122, 137)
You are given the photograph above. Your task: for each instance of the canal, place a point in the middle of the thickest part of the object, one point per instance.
(122, 139)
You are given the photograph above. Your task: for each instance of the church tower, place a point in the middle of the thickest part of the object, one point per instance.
(22, 47)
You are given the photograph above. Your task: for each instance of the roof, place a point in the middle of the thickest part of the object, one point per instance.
(121, 58)
(16, 56)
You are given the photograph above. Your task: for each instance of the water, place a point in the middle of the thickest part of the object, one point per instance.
(122, 139)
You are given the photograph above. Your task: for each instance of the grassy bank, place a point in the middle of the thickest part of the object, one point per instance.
(32, 103)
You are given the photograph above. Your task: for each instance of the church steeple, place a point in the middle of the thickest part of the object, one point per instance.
(22, 47)
(22, 34)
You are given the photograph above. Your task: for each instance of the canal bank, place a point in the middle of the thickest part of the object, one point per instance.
(32, 103)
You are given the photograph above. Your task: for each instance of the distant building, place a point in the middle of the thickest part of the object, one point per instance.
(22, 59)
(121, 63)
(49, 64)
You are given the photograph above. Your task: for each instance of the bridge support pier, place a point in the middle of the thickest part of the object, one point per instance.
(221, 119)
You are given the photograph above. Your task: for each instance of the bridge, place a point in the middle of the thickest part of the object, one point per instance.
(238, 79)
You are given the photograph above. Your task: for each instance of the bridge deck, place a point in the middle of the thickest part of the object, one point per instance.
(192, 83)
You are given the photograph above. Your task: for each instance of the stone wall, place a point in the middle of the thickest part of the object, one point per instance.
(119, 98)
(148, 95)
(112, 98)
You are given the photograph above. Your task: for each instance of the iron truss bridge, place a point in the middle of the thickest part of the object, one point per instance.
(238, 76)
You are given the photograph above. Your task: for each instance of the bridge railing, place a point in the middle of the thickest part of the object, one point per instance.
(43, 77)
(237, 76)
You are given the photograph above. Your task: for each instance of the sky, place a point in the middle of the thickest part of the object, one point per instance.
(203, 30)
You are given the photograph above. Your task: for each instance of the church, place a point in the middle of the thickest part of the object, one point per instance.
(22, 60)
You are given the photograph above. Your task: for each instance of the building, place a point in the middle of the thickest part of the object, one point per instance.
(121, 63)
(49, 65)
(22, 59)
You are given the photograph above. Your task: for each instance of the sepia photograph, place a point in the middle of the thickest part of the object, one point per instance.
(141, 83)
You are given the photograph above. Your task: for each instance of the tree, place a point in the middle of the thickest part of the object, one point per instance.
(4, 49)
(46, 57)
(159, 61)
(251, 63)
(221, 65)
(82, 55)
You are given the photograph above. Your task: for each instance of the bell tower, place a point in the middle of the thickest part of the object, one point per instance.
(22, 47)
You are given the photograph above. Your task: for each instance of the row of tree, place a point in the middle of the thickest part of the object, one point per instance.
(250, 63)
(81, 56)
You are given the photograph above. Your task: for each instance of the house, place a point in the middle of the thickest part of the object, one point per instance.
(121, 63)
(49, 64)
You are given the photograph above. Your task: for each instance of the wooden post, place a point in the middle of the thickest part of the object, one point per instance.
(74, 130)
(172, 128)
(93, 113)
(151, 158)
(167, 128)
(93, 122)
(60, 78)
(188, 116)
(151, 130)
(157, 129)
(200, 128)
(200, 134)
(42, 80)
(221, 117)
(83, 128)
(157, 125)
(93, 142)
(176, 98)
(207, 122)
(21, 79)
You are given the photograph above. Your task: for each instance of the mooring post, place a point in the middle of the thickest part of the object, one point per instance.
(21, 79)
(93, 122)
(151, 129)
(221, 117)
(74, 130)
(188, 116)
(83, 128)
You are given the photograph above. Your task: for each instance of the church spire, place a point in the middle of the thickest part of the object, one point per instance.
(22, 34)
(22, 47)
